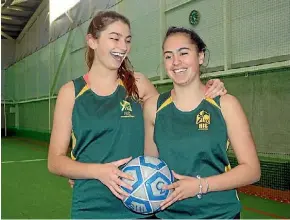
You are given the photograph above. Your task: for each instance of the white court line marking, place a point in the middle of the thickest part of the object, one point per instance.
(23, 161)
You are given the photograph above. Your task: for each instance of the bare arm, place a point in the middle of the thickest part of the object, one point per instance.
(149, 112)
(58, 162)
(145, 87)
(214, 88)
(248, 169)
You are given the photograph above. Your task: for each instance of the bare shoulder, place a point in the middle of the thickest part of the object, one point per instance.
(145, 87)
(141, 79)
(152, 101)
(228, 100)
(150, 108)
(139, 76)
(66, 96)
(67, 90)
(231, 108)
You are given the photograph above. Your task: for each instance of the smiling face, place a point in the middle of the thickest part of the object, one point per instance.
(112, 45)
(181, 58)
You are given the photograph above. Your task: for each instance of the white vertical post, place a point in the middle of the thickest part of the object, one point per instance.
(5, 119)
(50, 68)
(162, 25)
(227, 34)
(16, 112)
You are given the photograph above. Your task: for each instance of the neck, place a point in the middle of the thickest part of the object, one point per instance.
(189, 96)
(101, 76)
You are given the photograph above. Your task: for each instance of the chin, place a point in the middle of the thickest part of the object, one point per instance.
(113, 67)
(180, 82)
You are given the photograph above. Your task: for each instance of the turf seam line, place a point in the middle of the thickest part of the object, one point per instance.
(23, 161)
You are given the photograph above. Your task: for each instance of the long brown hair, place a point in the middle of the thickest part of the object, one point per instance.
(125, 71)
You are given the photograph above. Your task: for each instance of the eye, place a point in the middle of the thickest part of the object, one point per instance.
(183, 53)
(128, 41)
(115, 39)
(167, 57)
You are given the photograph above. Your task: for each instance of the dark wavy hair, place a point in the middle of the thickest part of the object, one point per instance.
(194, 37)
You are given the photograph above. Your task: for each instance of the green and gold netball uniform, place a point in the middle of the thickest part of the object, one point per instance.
(195, 143)
(105, 129)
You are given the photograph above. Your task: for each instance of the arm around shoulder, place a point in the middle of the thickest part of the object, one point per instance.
(149, 112)
(145, 87)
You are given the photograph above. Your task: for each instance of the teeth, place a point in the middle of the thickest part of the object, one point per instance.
(179, 70)
(118, 54)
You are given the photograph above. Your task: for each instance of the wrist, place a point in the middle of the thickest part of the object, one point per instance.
(94, 170)
(205, 186)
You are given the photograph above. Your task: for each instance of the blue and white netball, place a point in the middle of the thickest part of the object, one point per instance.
(150, 174)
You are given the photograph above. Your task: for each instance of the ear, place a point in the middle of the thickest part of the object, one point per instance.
(91, 41)
(201, 58)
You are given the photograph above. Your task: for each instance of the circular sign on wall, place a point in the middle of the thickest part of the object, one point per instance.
(194, 17)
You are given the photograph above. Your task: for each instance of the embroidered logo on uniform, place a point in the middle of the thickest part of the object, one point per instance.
(203, 120)
(126, 109)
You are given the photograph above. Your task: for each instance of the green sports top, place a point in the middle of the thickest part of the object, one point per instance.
(104, 129)
(195, 143)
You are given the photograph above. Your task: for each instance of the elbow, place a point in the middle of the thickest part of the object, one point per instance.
(52, 168)
(256, 174)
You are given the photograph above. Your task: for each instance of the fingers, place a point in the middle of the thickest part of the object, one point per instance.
(175, 196)
(122, 161)
(124, 175)
(117, 188)
(178, 176)
(115, 192)
(171, 186)
(71, 183)
(223, 92)
(209, 83)
(215, 90)
(122, 183)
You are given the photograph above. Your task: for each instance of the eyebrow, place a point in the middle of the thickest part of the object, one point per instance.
(120, 35)
(178, 50)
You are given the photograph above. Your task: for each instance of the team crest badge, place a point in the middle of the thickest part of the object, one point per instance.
(126, 109)
(203, 120)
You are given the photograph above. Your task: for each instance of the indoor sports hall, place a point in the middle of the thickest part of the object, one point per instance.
(43, 45)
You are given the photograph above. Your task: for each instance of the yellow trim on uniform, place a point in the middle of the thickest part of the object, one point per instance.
(121, 83)
(228, 168)
(74, 141)
(72, 156)
(228, 144)
(86, 88)
(164, 104)
(213, 102)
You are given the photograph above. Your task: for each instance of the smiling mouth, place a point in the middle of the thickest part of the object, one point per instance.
(118, 56)
(180, 71)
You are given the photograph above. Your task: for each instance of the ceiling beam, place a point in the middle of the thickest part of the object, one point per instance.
(7, 36)
(6, 17)
(6, 4)
(14, 18)
(16, 2)
(8, 27)
(19, 8)
(33, 18)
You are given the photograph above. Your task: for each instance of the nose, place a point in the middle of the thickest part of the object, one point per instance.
(176, 60)
(123, 45)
